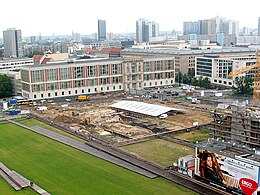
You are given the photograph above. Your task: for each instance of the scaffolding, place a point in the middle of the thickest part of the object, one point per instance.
(241, 125)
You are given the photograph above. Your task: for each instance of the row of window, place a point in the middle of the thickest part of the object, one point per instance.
(69, 84)
(156, 83)
(63, 93)
(75, 72)
(224, 82)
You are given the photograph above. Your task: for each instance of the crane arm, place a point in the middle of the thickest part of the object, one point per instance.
(242, 70)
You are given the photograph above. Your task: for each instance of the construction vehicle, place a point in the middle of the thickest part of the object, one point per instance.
(256, 87)
(83, 98)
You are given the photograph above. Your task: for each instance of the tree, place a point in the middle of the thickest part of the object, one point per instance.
(5, 86)
(35, 53)
(243, 86)
(179, 77)
(85, 57)
(205, 83)
(191, 72)
(186, 79)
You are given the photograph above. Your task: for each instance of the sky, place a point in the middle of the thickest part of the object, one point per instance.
(61, 17)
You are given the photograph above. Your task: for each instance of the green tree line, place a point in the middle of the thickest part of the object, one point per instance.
(190, 79)
(5, 86)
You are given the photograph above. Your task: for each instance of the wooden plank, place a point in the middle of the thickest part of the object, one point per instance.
(9, 181)
(18, 180)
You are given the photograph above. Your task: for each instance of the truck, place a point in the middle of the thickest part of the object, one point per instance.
(83, 98)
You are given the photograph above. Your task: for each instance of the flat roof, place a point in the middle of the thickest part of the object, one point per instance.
(73, 62)
(143, 108)
(15, 60)
(189, 52)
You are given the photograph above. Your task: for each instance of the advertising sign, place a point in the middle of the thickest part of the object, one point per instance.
(234, 174)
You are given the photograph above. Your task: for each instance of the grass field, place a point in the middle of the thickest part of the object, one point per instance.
(60, 169)
(30, 122)
(193, 136)
(159, 151)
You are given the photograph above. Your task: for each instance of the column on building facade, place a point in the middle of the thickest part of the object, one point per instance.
(110, 73)
(44, 79)
(72, 77)
(153, 69)
(58, 77)
(86, 76)
(163, 69)
(98, 75)
(30, 79)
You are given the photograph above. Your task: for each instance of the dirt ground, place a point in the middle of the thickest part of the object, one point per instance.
(99, 118)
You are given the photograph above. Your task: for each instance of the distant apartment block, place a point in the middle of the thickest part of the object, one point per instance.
(12, 43)
(191, 28)
(211, 26)
(145, 30)
(94, 76)
(105, 44)
(102, 32)
(53, 48)
(259, 26)
(221, 39)
(248, 40)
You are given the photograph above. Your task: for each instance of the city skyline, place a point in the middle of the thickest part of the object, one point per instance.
(81, 16)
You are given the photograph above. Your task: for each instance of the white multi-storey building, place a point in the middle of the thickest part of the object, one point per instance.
(15, 64)
(217, 68)
(62, 79)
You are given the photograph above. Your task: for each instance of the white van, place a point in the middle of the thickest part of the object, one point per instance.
(162, 116)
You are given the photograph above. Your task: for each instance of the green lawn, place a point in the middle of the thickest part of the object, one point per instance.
(60, 169)
(193, 136)
(31, 122)
(159, 151)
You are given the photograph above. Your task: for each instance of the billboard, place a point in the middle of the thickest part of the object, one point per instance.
(231, 174)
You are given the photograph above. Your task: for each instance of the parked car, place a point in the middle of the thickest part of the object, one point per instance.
(163, 116)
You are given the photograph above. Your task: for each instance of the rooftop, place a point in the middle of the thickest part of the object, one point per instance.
(143, 108)
(189, 52)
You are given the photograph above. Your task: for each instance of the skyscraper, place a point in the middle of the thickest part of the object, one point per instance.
(259, 26)
(145, 30)
(12, 43)
(190, 28)
(102, 32)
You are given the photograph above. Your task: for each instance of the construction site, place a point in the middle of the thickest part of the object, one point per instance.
(99, 118)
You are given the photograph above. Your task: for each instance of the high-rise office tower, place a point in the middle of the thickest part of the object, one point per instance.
(145, 30)
(102, 32)
(259, 26)
(191, 27)
(155, 29)
(12, 43)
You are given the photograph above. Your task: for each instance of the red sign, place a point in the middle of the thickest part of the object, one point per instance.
(248, 186)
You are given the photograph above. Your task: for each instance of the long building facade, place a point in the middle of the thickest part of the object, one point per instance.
(95, 76)
(185, 59)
